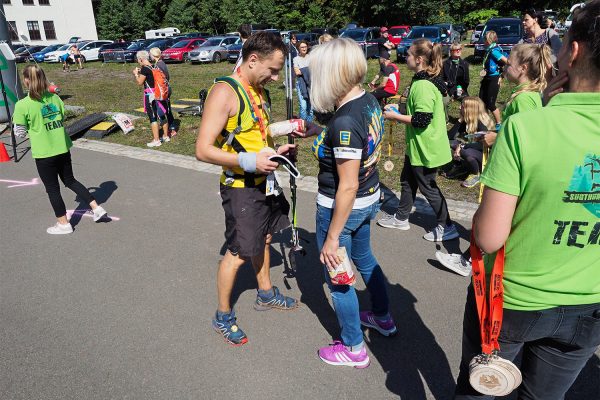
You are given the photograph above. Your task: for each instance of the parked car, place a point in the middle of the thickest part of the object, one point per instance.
(128, 54)
(26, 54)
(162, 44)
(90, 50)
(213, 50)
(179, 51)
(54, 56)
(111, 47)
(509, 31)
(451, 31)
(194, 35)
(364, 37)
(476, 33)
(397, 33)
(39, 56)
(435, 33)
(311, 38)
(462, 30)
(233, 52)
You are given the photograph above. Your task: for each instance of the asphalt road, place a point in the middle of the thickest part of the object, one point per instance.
(121, 310)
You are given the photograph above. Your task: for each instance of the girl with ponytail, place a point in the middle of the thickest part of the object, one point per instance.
(41, 114)
(426, 141)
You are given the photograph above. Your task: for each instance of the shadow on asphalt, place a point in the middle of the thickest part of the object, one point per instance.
(101, 193)
(412, 357)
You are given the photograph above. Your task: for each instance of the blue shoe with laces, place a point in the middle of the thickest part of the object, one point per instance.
(226, 326)
(269, 299)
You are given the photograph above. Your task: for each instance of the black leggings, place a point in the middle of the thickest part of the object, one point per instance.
(52, 168)
(381, 94)
(488, 92)
(422, 178)
(473, 158)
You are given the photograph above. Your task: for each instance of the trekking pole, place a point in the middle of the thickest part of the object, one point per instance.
(484, 159)
(289, 103)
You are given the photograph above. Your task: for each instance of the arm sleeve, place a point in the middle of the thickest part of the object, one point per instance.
(503, 171)
(497, 55)
(347, 138)
(20, 131)
(20, 115)
(424, 99)
(421, 119)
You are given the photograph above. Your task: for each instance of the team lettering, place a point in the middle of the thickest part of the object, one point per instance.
(577, 233)
(53, 125)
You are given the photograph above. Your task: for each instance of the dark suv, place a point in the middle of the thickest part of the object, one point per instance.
(509, 31)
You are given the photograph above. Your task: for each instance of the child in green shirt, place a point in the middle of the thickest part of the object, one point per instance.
(41, 115)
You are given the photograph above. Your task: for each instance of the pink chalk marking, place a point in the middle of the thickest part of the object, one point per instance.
(86, 213)
(33, 182)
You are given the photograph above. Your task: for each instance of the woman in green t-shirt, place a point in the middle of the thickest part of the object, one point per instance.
(41, 115)
(427, 145)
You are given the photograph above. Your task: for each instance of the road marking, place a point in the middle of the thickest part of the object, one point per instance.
(86, 213)
(33, 182)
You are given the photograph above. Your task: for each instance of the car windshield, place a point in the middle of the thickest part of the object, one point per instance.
(445, 26)
(505, 28)
(81, 44)
(397, 31)
(158, 43)
(181, 44)
(479, 28)
(356, 35)
(52, 47)
(429, 33)
(303, 36)
(64, 47)
(211, 42)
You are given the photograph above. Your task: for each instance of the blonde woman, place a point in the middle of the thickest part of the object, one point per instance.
(348, 152)
(156, 56)
(492, 65)
(41, 115)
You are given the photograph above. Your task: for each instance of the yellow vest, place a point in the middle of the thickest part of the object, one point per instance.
(242, 133)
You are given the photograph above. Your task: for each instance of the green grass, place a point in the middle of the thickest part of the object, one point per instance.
(111, 87)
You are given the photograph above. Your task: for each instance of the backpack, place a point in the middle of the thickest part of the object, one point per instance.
(161, 84)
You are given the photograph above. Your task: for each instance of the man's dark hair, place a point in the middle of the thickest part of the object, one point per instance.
(585, 29)
(264, 44)
(245, 31)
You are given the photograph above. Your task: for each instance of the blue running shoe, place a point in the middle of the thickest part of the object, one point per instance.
(227, 327)
(276, 300)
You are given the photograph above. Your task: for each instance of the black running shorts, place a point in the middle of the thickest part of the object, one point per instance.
(249, 216)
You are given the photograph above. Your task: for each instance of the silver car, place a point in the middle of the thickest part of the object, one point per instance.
(213, 50)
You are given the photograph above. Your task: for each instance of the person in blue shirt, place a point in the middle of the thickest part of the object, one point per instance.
(492, 70)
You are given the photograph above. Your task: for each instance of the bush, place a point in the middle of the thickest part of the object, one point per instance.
(478, 17)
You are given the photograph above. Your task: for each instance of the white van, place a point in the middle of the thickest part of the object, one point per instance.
(162, 33)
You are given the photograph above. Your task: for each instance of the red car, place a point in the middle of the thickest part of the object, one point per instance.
(398, 32)
(179, 51)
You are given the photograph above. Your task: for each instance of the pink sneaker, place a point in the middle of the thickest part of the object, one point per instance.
(337, 354)
(386, 327)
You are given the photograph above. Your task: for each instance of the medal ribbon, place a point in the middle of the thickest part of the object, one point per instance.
(489, 308)
(256, 110)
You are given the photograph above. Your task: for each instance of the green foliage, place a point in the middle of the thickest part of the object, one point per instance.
(478, 17)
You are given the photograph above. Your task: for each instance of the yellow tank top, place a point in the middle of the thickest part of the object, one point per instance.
(250, 137)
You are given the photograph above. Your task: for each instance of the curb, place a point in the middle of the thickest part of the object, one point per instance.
(459, 210)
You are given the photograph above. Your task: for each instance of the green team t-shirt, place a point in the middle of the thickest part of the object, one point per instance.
(550, 159)
(44, 121)
(427, 147)
(524, 101)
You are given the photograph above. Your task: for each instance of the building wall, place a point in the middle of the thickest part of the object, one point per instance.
(70, 17)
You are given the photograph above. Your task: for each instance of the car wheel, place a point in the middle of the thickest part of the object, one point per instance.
(217, 57)
(83, 60)
(186, 58)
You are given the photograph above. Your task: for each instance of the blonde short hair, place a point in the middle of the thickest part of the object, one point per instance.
(456, 46)
(155, 52)
(491, 37)
(142, 55)
(335, 68)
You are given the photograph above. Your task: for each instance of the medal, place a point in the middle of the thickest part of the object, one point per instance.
(388, 166)
(494, 376)
(482, 73)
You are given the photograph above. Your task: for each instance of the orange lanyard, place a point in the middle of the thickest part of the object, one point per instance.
(489, 309)
(258, 115)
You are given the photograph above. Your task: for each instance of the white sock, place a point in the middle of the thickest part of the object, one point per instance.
(356, 349)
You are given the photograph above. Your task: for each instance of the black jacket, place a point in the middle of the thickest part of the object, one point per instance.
(455, 74)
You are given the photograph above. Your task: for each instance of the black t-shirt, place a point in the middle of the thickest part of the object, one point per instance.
(383, 51)
(460, 129)
(147, 72)
(354, 132)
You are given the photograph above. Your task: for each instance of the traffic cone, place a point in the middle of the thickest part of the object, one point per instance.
(3, 153)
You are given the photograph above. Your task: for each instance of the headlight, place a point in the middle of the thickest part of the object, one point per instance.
(204, 53)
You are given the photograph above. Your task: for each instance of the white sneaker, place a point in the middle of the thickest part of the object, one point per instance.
(390, 221)
(165, 139)
(154, 143)
(454, 262)
(99, 213)
(442, 233)
(60, 229)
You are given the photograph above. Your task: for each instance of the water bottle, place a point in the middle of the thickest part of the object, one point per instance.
(459, 91)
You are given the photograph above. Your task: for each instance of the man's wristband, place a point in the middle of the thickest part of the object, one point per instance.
(247, 161)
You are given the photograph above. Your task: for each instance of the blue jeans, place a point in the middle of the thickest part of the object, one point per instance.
(306, 112)
(356, 238)
(556, 345)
